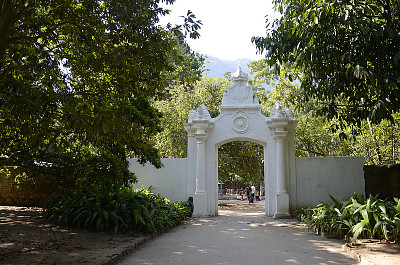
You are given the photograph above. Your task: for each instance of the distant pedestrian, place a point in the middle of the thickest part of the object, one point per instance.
(257, 193)
(253, 191)
(248, 193)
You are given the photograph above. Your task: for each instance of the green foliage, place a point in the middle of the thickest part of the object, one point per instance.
(348, 51)
(241, 161)
(122, 210)
(172, 141)
(318, 136)
(379, 143)
(356, 217)
(313, 135)
(77, 79)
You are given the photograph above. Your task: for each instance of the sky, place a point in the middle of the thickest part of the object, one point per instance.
(228, 25)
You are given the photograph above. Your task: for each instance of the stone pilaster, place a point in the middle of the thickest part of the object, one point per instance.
(279, 120)
(200, 123)
(282, 196)
(191, 158)
(200, 200)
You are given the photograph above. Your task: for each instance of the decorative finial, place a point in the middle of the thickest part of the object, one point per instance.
(239, 75)
(202, 113)
(279, 112)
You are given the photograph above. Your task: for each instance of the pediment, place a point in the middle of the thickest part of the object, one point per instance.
(239, 94)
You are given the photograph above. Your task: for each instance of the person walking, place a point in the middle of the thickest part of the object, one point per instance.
(248, 193)
(253, 190)
(257, 194)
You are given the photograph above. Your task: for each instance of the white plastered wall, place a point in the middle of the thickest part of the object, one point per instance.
(310, 182)
(317, 177)
(170, 181)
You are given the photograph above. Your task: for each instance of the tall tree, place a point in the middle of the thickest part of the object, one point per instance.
(378, 143)
(313, 135)
(348, 50)
(172, 141)
(76, 83)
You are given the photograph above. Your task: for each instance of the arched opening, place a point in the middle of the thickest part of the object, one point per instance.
(240, 164)
(240, 120)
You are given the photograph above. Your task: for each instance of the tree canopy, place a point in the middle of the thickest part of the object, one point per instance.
(378, 143)
(77, 79)
(172, 141)
(347, 50)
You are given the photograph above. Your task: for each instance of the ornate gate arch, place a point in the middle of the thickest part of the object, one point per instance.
(240, 119)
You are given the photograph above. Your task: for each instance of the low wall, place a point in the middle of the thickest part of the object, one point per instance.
(170, 181)
(317, 177)
(29, 190)
(382, 180)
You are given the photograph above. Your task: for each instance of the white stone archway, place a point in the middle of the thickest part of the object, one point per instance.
(241, 119)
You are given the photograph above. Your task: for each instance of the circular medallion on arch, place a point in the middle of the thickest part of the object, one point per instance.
(240, 122)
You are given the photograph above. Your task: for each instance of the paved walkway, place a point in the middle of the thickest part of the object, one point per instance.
(240, 236)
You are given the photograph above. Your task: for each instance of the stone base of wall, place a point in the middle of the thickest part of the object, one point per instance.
(382, 181)
(28, 191)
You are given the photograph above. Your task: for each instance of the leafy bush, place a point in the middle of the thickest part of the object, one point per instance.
(371, 218)
(122, 210)
(78, 167)
(84, 167)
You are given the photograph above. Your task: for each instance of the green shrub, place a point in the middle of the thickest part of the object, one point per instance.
(356, 217)
(123, 210)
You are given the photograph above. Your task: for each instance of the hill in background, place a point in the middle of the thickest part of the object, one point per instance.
(216, 67)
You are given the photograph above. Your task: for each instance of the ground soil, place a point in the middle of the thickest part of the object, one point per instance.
(374, 252)
(27, 238)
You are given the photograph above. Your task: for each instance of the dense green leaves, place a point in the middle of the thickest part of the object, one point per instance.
(172, 141)
(77, 79)
(373, 218)
(122, 210)
(348, 51)
(318, 136)
(241, 162)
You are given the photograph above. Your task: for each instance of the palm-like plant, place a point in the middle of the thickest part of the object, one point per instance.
(373, 218)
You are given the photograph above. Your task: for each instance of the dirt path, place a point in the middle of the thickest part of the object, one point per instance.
(27, 239)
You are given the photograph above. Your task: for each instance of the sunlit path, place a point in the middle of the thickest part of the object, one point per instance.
(240, 235)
